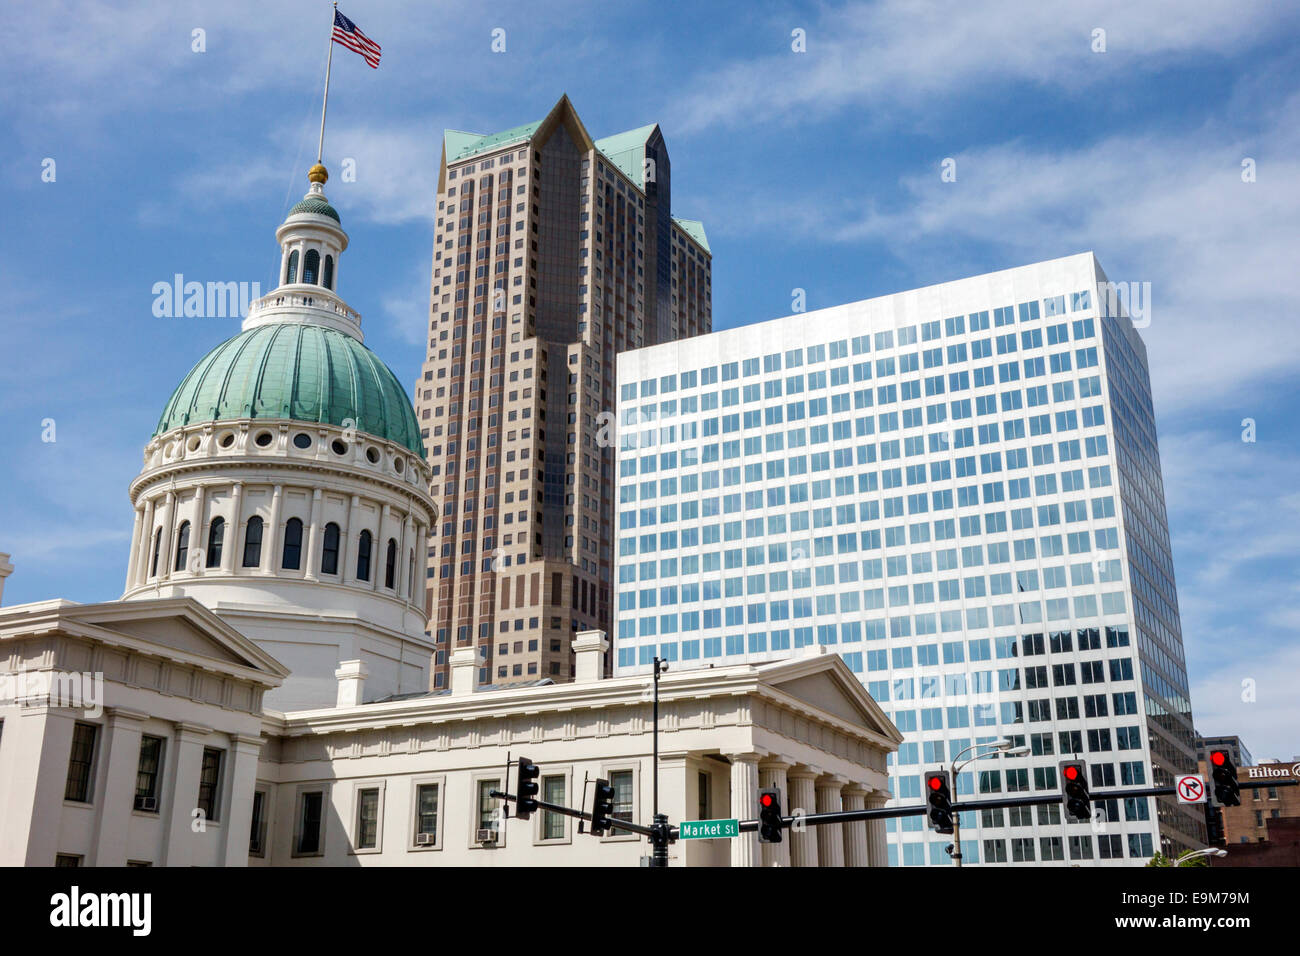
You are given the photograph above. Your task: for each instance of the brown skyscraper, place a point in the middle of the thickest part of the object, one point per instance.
(553, 253)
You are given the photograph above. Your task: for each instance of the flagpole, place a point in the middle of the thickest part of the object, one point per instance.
(329, 59)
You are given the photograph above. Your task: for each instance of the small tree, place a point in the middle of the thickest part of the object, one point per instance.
(1161, 860)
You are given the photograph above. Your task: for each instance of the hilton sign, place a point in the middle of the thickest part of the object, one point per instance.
(1273, 770)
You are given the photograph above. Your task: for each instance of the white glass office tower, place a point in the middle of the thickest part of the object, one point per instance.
(958, 489)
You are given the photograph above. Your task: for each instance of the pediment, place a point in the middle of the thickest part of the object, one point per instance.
(182, 625)
(182, 635)
(826, 683)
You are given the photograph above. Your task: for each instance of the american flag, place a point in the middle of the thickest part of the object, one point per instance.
(347, 34)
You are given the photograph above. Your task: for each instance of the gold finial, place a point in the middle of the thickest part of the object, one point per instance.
(318, 174)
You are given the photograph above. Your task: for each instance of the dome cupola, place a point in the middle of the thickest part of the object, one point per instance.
(311, 241)
(285, 485)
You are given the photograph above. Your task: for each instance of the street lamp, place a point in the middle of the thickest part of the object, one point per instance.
(660, 666)
(1193, 854)
(1001, 747)
(659, 857)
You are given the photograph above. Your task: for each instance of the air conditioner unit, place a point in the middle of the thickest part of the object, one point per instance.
(487, 836)
(425, 839)
(148, 804)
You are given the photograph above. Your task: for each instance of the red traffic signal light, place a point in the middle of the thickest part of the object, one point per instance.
(939, 809)
(1074, 789)
(1226, 789)
(769, 816)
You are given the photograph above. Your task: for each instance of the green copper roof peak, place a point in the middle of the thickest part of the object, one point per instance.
(695, 229)
(296, 372)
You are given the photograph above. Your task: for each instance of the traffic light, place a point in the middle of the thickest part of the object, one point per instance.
(1214, 825)
(1226, 790)
(526, 788)
(769, 816)
(939, 799)
(602, 805)
(1074, 787)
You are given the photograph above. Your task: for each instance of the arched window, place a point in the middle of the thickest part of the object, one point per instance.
(182, 546)
(363, 556)
(216, 538)
(157, 547)
(311, 266)
(292, 559)
(410, 577)
(328, 279)
(390, 564)
(329, 556)
(253, 542)
(291, 270)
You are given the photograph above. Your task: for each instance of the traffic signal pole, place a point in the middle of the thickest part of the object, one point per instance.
(662, 833)
(577, 814)
(884, 813)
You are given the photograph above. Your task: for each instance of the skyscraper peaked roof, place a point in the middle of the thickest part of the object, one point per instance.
(624, 149)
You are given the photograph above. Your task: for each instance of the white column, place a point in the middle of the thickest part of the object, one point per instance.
(198, 533)
(744, 804)
(345, 539)
(113, 805)
(233, 525)
(186, 752)
(404, 559)
(803, 800)
(830, 836)
(134, 560)
(855, 834)
(242, 774)
(271, 532)
(146, 551)
(379, 550)
(313, 538)
(421, 542)
(35, 787)
(165, 551)
(771, 776)
(877, 848)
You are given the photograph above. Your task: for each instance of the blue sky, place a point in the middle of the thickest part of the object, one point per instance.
(817, 171)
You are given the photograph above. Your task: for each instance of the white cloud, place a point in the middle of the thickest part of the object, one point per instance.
(1168, 209)
(1236, 523)
(891, 55)
(1267, 723)
(407, 307)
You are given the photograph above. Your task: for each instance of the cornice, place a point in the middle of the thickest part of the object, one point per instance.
(253, 463)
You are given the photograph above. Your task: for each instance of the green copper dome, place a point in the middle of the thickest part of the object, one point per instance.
(318, 206)
(305, 373)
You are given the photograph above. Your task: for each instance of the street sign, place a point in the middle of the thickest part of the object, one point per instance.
(1190, 787)
(708, 829)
